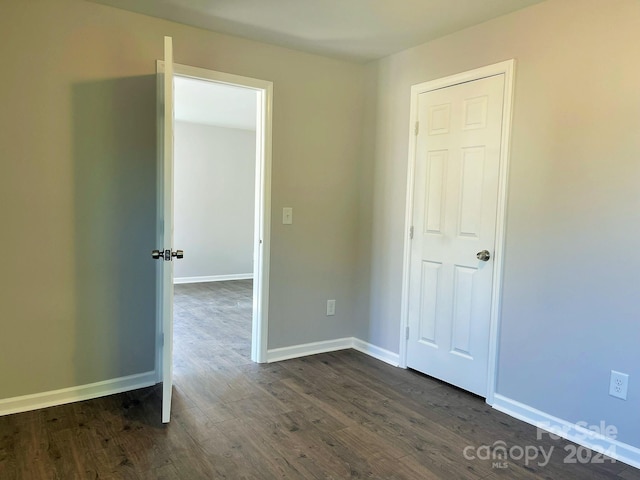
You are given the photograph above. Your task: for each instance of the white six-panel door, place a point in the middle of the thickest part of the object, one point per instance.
(455, 201)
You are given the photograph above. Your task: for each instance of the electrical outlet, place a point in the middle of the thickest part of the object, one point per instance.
(331, 307)
(618, 385)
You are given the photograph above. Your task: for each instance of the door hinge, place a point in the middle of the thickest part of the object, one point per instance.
(416, 129)
(162, 339)
(411, 233)
(407, 332)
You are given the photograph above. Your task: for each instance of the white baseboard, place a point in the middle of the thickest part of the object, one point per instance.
(213, 278)
(75, 394)
(576, 433)
(296, 351)
(376, 352)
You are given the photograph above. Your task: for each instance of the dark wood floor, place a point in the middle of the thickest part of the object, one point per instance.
(330, 416)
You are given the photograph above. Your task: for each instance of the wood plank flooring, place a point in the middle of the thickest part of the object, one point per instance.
(331, 416)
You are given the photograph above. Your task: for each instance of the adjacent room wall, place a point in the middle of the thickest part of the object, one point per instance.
(572, 270)
(214, 198)
(77, 130)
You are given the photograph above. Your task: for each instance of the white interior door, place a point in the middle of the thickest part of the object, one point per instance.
(457, 160)
(165, 227)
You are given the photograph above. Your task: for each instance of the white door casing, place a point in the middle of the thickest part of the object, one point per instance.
(262, 221)
(455, 209)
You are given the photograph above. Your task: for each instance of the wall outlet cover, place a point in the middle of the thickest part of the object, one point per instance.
(618, 384)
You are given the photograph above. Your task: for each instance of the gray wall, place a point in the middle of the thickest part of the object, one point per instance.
(572, 269)
(77, 130)
(214, 197)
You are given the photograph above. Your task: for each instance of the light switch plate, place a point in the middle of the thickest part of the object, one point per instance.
(287, 216)
(331, 308)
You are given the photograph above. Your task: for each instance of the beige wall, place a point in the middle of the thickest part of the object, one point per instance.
(77, 130)
(214, 199)
(570, 311)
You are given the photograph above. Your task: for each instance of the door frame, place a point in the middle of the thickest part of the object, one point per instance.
(262, 219)
(506, 68)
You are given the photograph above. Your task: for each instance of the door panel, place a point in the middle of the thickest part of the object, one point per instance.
(428, 312)
(462, 310)
(454, 217)
(436, 171)
(471, 190)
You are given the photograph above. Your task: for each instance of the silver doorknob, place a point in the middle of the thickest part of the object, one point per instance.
(484, 255)
(167, 255)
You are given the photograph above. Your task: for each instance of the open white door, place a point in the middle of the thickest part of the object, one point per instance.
(165, 253)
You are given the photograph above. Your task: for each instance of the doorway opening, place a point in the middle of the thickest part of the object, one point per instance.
(223, 189)
(215, 160)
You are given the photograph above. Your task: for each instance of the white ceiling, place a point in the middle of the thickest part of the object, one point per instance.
(210, 103)
(358, 30)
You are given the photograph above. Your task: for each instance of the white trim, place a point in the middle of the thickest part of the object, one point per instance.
(219, 77)
(376, 352)
(262, 245)
(575, 433)
(262, 230)
(506, 68)
(296, 351)
(75, 394)
(408, 222)
(213, 278)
